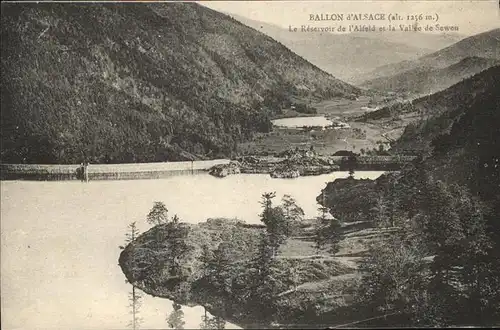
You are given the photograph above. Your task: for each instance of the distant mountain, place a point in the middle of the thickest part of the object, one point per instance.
(141, 82)
(484, 45)
(431, 41)
(344, 55)
(427, 80)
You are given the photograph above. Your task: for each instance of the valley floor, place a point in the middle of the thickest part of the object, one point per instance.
(359, 137)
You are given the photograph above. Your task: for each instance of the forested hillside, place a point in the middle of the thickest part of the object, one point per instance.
(443, 109)
(419, 247)
(141, 82)
(430, 116)
(440, 266)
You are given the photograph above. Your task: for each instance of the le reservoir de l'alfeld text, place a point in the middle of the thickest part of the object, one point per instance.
(374, 28)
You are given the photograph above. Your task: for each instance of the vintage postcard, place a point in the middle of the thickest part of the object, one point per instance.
(250, 164)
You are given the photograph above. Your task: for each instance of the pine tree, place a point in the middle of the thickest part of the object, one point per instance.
(393, 279)
(158, 214)
(381, 212)
(265, 254)
(275, 221)
(327, 230)
(221, 264)
(132, 234)
(264, 284)
(175, 239)
(266, 201)
(207, 260)
(294, 214)
(321, 236)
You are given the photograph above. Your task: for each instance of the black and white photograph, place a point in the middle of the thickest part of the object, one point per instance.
(250, 164)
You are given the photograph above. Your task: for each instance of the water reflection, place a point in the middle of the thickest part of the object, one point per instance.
(212, 322)
(176, 318)
(296, 122)
(135, 300)
(59, 242)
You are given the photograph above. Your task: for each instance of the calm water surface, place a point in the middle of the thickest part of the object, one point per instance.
(302, 121)
(59, 242)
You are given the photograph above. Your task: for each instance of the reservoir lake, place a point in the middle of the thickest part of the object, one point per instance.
(60, 241)
(298, 122)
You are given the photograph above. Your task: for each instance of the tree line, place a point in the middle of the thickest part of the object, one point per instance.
(440, 266)
(256, 282)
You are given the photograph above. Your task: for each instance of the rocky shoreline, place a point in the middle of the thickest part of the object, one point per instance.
(176, 261)
(148, 264)
(293, 165)
(299, 163)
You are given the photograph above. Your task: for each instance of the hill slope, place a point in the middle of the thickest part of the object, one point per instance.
(457, 134)
(476, 94)
(399, 235)
(427, 80)
(137, 82)
(447, 204)
(423, 119)
(483, 45)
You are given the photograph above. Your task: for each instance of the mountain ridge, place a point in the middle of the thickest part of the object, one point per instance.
(323, 49)
(484, 45)
(134, 83)
(428, 80)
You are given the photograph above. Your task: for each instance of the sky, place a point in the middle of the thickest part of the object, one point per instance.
(471, 17)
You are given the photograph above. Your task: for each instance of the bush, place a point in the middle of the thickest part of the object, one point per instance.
(303, 108)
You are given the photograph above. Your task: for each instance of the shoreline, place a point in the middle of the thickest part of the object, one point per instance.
(277, 167)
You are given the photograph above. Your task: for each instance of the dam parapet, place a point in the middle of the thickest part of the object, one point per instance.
(55, 172)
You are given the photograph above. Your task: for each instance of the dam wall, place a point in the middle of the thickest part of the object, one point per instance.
(55, 172)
